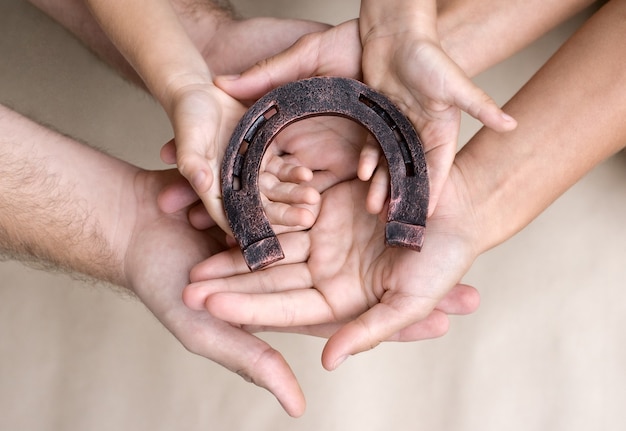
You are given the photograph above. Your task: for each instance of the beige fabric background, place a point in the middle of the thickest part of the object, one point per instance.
(545, 351)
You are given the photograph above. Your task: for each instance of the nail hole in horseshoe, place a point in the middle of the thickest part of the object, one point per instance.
(322, 96)
(248, 138)
(402, 144)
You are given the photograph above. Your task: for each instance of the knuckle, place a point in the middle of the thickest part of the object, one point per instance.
(254, 371)
(186, 161)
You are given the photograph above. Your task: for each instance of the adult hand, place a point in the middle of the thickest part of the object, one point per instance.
(305, 159)
(231, 46)
(374, 293)
(433, 97)
(161, 251)
(52, 216)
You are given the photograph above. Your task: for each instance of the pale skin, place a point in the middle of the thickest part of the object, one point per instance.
(389, 33)
(402, 57)
(52, 217)
(570, 118)
(174, 48)
(431, 103)
(227, 45)
(478, 34)
(473, 37)
(121, 235)
(293, 394)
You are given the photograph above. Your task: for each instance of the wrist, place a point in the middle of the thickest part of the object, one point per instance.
(142, 212)
(384, 19)
(203, 21)
(455, 26)
(181, 84)
(485, 197)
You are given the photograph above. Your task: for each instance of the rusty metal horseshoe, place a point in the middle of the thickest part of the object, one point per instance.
(408, 204)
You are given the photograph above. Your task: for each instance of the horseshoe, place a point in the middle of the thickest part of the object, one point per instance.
(408, 205)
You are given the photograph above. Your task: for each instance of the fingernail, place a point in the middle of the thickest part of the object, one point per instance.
(198, 180)
(340, 361)
(507, 117)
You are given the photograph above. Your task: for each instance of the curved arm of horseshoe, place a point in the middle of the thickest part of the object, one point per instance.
(408, 205)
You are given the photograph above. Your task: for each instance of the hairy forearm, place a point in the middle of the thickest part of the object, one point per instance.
(571, 117)
(55, 208)
(478, 34)
(75, 17)
(227, 44)
(152, 39)
(201, 19)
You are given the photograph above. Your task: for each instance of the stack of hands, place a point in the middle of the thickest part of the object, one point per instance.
(323, 180)
(338, 279)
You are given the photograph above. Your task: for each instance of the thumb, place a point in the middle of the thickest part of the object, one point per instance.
(295, 63)
(473, 100)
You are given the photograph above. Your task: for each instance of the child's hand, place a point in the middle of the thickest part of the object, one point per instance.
(288, 201)
(337, 52)
(402, 58)
(203, 118)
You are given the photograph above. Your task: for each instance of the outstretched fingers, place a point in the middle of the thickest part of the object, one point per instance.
(376, 325)
(299, 306)
(230, 298)
(251, 358)
(461, 300)
(228, 272)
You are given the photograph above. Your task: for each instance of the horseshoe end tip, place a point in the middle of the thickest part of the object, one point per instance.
(263, 253)
(398, 234)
